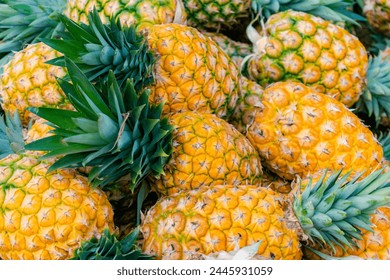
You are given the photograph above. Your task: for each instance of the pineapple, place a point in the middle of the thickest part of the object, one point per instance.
(207, 151)
(44, 215)
(221, 13)
(237, 51)
(274, 182)
(299, 131)
(297, 46)
(189, 71)
(377, 13)
(189, 150)
(143, 13)
(221, 218)
(28, 81)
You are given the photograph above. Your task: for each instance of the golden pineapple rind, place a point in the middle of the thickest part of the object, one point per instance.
(47, 215)
(300, 131)
(192, 73)
(208, 151)
(220, 218)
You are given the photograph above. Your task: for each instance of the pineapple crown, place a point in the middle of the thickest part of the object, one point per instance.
(114, 130)
(97, 48)
(11, 134)
(333, 211)
(375, 99)
(332, 10)
(24, 22)
(108, 247)
(384, 140)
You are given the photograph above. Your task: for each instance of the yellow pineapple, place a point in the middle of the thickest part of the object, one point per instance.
(208, 219)
(297, 46)
(207, 151)
(299, 131)
(44, 215)
(143, 13)
(191, 72)
(28, 81)
(377, 13)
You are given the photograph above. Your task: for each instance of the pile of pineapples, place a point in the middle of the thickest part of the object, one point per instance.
(194, 129)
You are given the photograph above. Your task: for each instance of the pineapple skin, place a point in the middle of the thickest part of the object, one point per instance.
(237, 51)
(299, 131)
(303, 48)
(208, 220)
(207, 151)
(215, 14)
(28, 80)
(192, 73)
(249, 101)
(377, 13)
(142, 13)
(47, 215)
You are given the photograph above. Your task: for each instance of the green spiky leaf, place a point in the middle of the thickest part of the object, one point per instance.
(97, 48)
(108, 247)
(375, 100)
(131, 138)
(341, 207)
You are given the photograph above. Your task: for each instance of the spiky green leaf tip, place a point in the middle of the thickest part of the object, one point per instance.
(333, 211)
(114, 130)
(11, 134)
(97, 48)
(108, 247)
(375, 100)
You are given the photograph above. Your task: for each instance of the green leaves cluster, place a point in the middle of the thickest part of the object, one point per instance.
(11, 135)
(98, 48)
(333, 210)
(24, 22)
(113, 129)
(375, 99)
(108, 247)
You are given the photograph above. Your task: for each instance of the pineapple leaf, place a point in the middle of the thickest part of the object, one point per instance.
(97, 48)
(338, 214)
(108, 247)
(130, 139)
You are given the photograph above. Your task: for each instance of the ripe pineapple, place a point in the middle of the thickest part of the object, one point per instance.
(207, 151)
(297, 46)
(299, 131)
(189, 150)
(221, 218)
(215, 14)
(44, 215)
(28, 81)
(377, 13)
(143, 13)
(189, 71)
